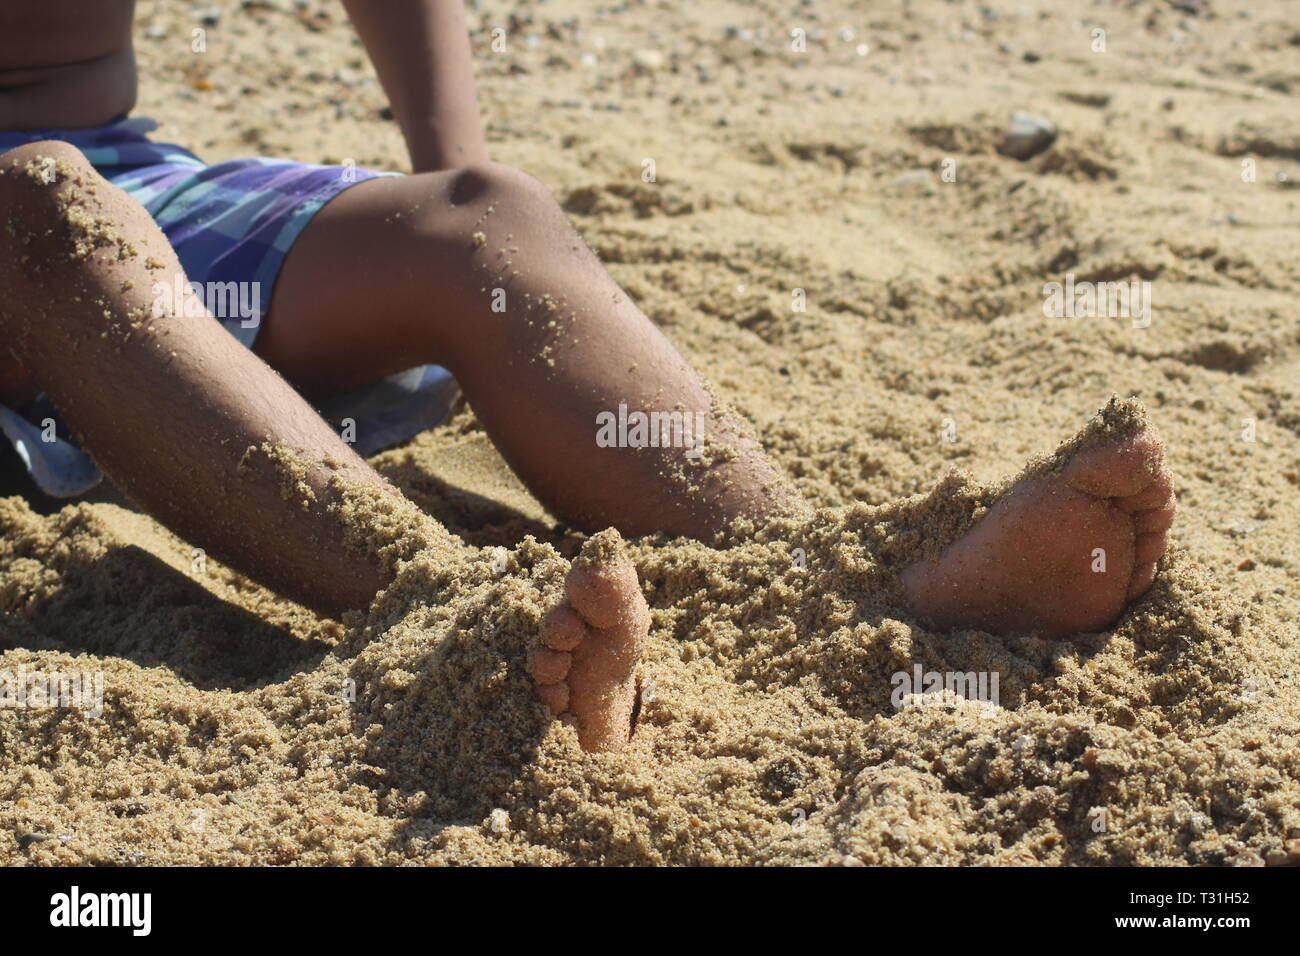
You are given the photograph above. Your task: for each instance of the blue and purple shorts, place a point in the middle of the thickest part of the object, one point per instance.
(231, 222)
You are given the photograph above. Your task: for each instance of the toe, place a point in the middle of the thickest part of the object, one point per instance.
(1143, 575)
(1156, 519)
(563, 629)
(1117, 470)
(1153, 495)
(625, 641)
(603, 594)
(554, 696)
(550, 667)
(1147, 547)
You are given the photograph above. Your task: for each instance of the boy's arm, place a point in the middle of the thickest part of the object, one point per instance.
(420, 49)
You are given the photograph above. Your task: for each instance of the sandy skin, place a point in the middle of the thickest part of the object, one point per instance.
(585, 668)
(1060, 555)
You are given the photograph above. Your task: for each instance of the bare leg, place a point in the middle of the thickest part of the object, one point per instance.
(168, 406)
(176, 412)
(424, 258)
(404, 253)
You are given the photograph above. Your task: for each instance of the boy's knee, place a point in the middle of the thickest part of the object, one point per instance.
(39, 183)
(34, 185)
(504, 188)
(484, 198)
(43, 163)
(488, 181)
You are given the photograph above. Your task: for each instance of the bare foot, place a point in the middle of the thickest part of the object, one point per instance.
(586, 669)
(1057, 555)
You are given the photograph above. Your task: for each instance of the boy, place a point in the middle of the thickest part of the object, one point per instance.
(201, 420)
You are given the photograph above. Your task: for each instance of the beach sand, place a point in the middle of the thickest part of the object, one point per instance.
(238, 727)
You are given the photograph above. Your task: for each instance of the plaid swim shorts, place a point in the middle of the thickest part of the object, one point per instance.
(230, 222)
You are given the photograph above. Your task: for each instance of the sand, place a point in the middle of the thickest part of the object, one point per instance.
(238, 727)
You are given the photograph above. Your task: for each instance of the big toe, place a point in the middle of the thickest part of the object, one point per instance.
(1123, 469)
(602, 585)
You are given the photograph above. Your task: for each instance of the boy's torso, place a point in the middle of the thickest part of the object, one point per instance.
(65, 63)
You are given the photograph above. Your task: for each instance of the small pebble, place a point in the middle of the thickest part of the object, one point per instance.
(209, 15)
(648, 60)
(1027, 136)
